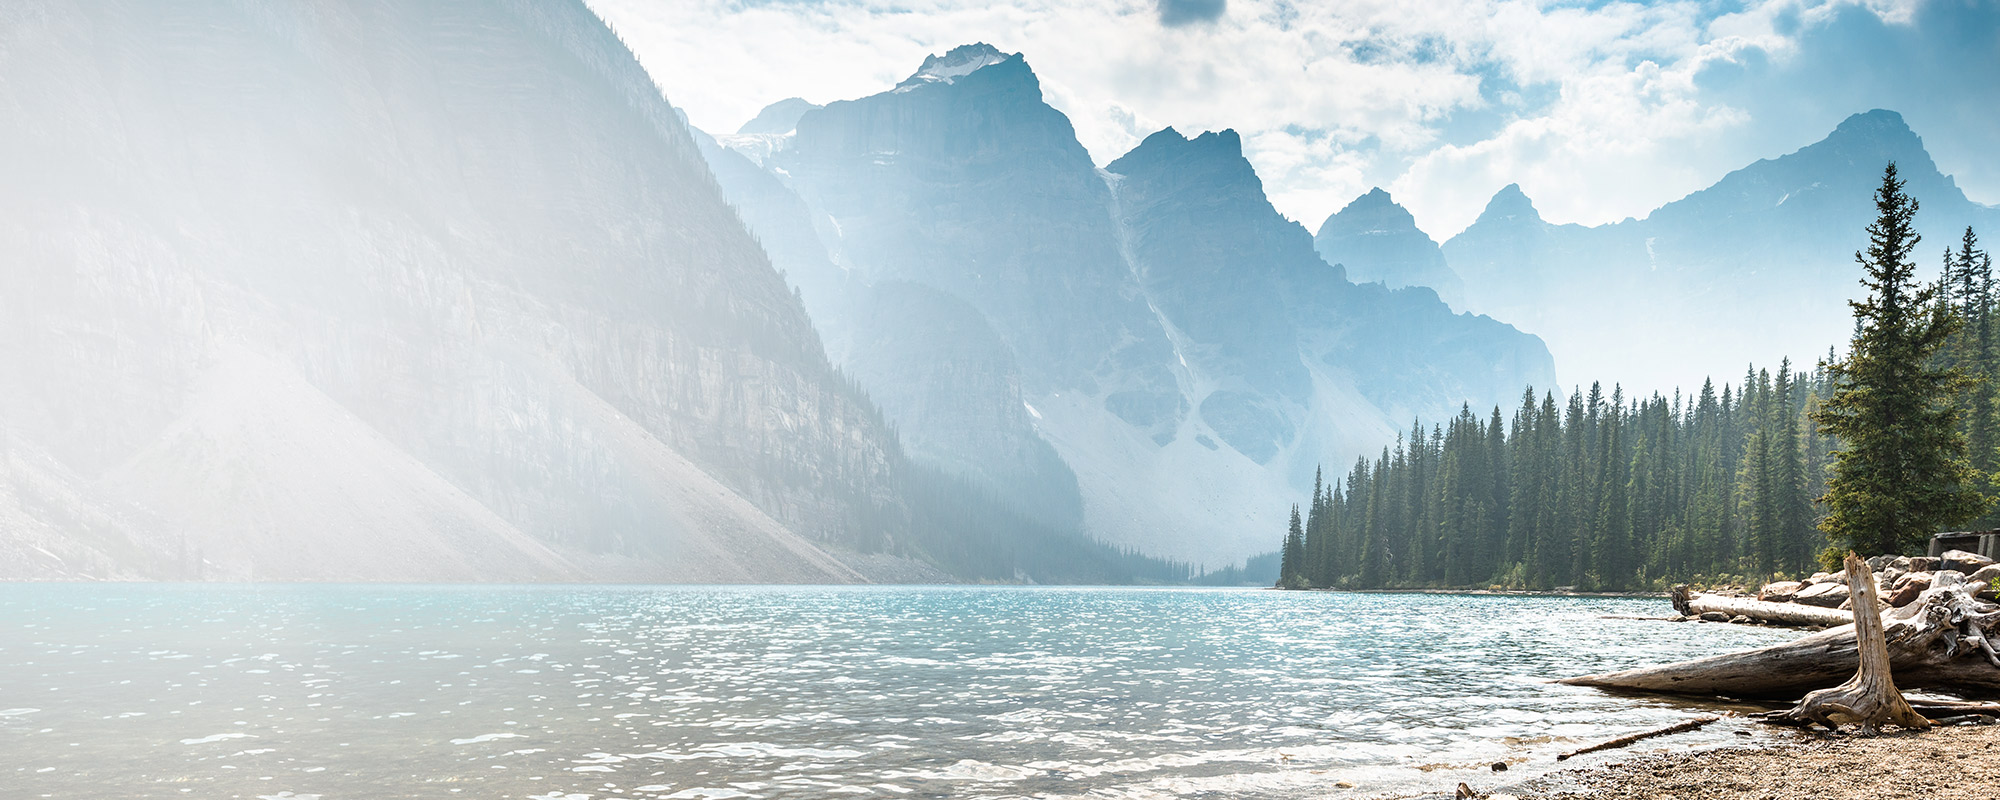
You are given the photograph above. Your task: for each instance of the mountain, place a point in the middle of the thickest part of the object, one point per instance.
(1755, 267)
(778, 118)
(1378, 242)
(434, 292)
(1176, 342)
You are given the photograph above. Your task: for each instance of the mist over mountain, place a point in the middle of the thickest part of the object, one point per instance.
(1755, 267)
(428, 292)
(1177, 341)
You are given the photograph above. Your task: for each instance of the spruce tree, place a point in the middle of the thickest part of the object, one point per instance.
(1789, 476)
(1902, 472)
(1292, 559)
(1974, 269)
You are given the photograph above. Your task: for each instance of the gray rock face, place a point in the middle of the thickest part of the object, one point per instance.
(1210, 252)
(1377, 241)
(974, 186)
(410, 291)
(1175, 340)
(940, 372)
(953, 389)
(1751, 269)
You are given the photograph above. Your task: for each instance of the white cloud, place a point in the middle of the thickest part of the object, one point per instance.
(1598, 112)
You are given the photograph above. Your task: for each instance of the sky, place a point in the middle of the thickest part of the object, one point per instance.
(1599, 110)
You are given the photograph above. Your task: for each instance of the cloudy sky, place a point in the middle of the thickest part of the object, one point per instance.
(1600, 110)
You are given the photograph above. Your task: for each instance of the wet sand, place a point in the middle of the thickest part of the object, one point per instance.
(1959, 761)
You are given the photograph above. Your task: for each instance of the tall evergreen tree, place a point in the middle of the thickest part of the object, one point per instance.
(1902, 472)
(1973, 269)
(1291, 561)
(1792, 503)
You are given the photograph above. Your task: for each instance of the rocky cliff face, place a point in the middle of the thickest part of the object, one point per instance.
(1753, 268)
(1276, 321)
(1377, 241)
(422, 291)
(1177, 341)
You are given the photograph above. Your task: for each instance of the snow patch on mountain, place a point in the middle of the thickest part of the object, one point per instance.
(957, 63)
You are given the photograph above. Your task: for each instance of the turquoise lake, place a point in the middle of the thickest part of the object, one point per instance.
(143, 691)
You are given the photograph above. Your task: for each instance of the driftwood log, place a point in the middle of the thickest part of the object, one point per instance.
(1870, 698)
(1955, 708)
(1678, 727)
(1942, 641)
(1793, 614)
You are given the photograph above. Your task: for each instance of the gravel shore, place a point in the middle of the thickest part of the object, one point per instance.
(1953, 762)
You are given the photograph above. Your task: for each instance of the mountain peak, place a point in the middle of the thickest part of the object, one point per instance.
(1873, 123)
(1509, 203)
(1217, 153)
(1378, 241)
(1374, 212)
(956, 63)
(1164, 137)
(1876, 135)
(779, 117)
(1225, 142)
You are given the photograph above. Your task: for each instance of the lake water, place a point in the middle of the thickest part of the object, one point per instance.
(139, 691)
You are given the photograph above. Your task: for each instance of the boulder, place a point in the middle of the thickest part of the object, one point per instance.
(1714, 616)
(1962, 561)
(1741, 619)
(1909, 590)
(1986, 573)
(1923, 563)
(1824, 595)
(1780, 591)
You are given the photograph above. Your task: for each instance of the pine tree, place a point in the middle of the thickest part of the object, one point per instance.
(1791, 513)
(1974, 268)
(1902, 472)
(1291, 560)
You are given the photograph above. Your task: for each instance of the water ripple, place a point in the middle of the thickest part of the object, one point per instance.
(701, 692)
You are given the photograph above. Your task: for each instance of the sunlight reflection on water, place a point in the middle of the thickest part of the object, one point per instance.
(785, 692)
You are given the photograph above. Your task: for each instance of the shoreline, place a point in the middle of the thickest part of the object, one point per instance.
(1944, 763)
(1481, 592)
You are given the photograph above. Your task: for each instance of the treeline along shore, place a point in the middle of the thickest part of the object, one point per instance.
(1773, 475)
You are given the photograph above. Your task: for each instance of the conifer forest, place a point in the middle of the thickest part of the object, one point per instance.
(1728, 483)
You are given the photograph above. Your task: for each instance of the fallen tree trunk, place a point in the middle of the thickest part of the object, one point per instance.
(1678, 727)
(1942, 641)
(1870, 698)
(1958, 708)
(1793, 614)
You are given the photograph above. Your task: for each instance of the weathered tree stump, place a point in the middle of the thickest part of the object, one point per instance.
(1870, 698)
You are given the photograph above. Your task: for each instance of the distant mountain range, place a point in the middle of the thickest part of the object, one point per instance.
(422, 292)
(418, 292)
(1754, 268)
(1182, 347)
